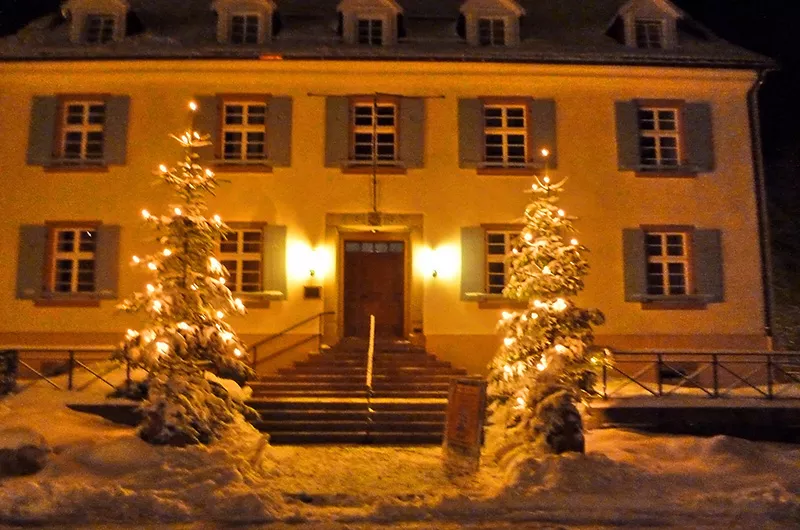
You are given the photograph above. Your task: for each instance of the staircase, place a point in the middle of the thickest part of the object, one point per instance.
(324, 399)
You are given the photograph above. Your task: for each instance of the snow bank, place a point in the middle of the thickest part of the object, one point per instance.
(101, 472)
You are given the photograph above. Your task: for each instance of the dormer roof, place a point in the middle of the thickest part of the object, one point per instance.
(652, 8)
(95, 5)
(495, 7)
(218, 5)
(356, 5)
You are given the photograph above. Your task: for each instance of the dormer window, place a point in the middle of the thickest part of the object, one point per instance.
(649, 34)
(244, 22)
(245, 29)
(492, 22)
(491, 32)
(370, 31)
(369, 22)
(99, 29)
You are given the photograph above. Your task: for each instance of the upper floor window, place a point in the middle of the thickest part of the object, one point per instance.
(82, 135)
(659, 136)
(505, 129)
(241, 253)
(72, 264)
(370, 31)
(649, 34)
(491, 32)
(245, 29)
(244, 136)
(99, 28)
(668, 263)
(374, 132)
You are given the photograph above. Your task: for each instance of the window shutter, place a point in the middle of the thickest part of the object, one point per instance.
(699, 139)
(470, 132)
(274, 262)
(472, 262)
(412, 132)
(41, 138)
(635, 265)
(708, 264)
(116, 130)
(106, 263)
(337, 131)
(543, 116)
(279, 131)
(207, 121)
(627, 135)
(30, 261)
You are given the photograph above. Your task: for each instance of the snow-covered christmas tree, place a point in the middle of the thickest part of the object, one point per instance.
(545, 366)
(186, 339)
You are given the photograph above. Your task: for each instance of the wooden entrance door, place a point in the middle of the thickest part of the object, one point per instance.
(374, 273)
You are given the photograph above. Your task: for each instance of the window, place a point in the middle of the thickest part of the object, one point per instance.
(505, 129)
(498, 245)
(667, 263)
(241, 253)
(245, 29)
(99, 29)
(369, 31)
(244, 136)
(658, 137)
(83, 130)
(649, 34)
(73, 260)
(374, 129)
(491, 32)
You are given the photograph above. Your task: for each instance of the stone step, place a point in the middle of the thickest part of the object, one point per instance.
(272, 427)
(429, 405)
(383, 417)
(359, 438)
(345, 378)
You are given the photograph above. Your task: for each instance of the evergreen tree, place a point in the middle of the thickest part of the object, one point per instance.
(185, 334)
(545, 365)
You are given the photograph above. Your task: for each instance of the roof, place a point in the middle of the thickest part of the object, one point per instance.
(566, 31)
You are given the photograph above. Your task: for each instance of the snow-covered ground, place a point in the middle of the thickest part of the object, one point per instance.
(99, 472)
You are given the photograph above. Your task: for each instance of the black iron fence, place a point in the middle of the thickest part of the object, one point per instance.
(53, 361)
(718, 374)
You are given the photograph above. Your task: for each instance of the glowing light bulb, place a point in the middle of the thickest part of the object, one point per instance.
(162, 168)
(192, 106)
(546, 270)
(178, 211)
(136, 260)
(506, 315)
(214, 265)
(573, 241)
(559, 305)
(561, 213)
(222, 280)
(546, 180)
(528, 236)
(193, 287)
(217, 219)
(152, 266)
(167, 252)
(541, 365)
(594, 360)
(150, 288)
(520, 403)
(507, 369)
(209, 173)
(196, 135)
(183, 325)
(515, 251)
(545, 152)
(220, 314)
(560, 348)
(226, 336)
(239, 305)
(508, 341)
(237, 352)
(157, 306)
(145, 214)
(162, 347)
(132, 334)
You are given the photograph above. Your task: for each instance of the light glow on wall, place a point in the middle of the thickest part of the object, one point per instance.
(441, 263)
(304, 262)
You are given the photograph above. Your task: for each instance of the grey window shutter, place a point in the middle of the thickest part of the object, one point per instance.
(41, 136)
(707, 246)
(30, 261)
(337, 131)
(473, 284)
(634, 264)
(273, 264)
(279, 131)
(627, 135)
(116, 131)
(699, 138)
(207, 121)
(106, 263)
(470, 132)
(543, 118)
(412, 132)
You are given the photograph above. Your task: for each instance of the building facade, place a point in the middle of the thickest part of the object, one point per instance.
(378, 153)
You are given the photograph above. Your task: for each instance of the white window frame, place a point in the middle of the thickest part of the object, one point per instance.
(374, 130)
(492, 258)
(106, 30)
(372, 23)
(659, 136)
(84, 128)
(496, 36)
(247, 18)
(242, 255)
(664, 258)
(245, 129)
(649, 34)
(505, 131)
(76, 256)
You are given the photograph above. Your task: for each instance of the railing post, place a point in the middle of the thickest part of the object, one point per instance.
(659, 366)
(605, 381)
(769, 376)
(321, 324)
(255, 359)
(714, 370)
(71, 368)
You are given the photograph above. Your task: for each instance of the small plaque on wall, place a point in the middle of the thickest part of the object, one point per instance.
(312, 292)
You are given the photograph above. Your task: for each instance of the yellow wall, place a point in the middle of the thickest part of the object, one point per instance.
(605, 199)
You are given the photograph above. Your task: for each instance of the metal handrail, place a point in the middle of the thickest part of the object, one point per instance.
(767, 364)
(253, 349)
(72, 362)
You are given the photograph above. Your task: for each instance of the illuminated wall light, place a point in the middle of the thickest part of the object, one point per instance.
(305, 262)
(442, 262)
